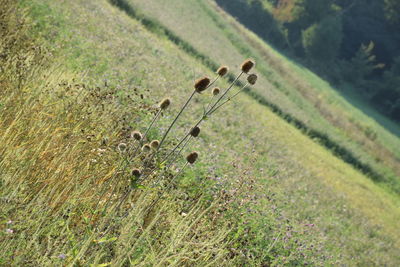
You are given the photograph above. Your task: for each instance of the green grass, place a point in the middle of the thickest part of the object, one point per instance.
(311, 101)
(301, 199)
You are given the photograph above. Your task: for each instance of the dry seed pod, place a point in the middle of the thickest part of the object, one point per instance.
(137, 135)
(136, 173)
(154, 144)
(222, 70)
(247, 65)
(202, 84)
(192, 157)
(146, 148)
(252, 78)
(216, 91)
(195, 131)
(122, 147)
(164, 104)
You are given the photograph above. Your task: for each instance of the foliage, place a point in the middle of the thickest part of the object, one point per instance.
(310, 29)
(392, 8)
(309, 12)
(362, 65)
(389, 92)
(322, 41)
(255, 16)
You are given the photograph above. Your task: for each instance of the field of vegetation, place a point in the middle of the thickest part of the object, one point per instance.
(288, 173)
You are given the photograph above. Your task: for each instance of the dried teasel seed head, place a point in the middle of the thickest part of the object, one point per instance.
(146, 148)
(192, 157)
(122, 147)
(222, 70)
(136, 135)
(195, 131)
(252, 78)
(165, 103)
(154, 144)
(247, 65)
(216, 91)
(136, 173)
(201, 84)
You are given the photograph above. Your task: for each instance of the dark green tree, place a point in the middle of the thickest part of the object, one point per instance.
(362, 65)
(389, 94)
(308, 12)
(392, 11)
(321, 41)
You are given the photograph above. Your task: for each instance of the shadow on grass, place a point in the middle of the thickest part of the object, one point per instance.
(364, 106)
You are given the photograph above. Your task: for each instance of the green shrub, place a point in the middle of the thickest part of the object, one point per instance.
(322, 41)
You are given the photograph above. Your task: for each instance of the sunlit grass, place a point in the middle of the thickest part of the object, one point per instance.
(58, 158)
(295, 90)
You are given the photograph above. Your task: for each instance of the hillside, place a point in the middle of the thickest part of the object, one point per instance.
(289, 173)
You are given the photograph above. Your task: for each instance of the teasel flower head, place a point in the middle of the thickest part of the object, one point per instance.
(247, 65)
(165, 103)
(136, 173)
(201, 84)
(136, 135)
(195, 131)
(222, 71)
(146, 148)
(122, 147)
(192, 157)
(251, 79)
(216, 91)
(154, 144)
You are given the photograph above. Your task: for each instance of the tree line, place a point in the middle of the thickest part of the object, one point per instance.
(352, 43)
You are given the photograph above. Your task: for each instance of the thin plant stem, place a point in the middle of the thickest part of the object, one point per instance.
(179, 114)
(174, 121)
(214, 81)
(126, 160)
(175, 148)
(201, 119)
(179, 152)
(151, 124)
(228, 99)
(226, 91)
(209, 104)
(208, 111)
(146, 132)
(169, 187)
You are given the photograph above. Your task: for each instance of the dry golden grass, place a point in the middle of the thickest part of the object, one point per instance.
(59, 138)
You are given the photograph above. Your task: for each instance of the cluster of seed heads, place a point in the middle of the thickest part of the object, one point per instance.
(137, 135)
(146, 148)
(216, 91)
(251, 79)
(195, 131)
(192, 157)
(165, 103)
(200, 86)
(247, 65)
(222, 71)
(154, 144)
(136, 173)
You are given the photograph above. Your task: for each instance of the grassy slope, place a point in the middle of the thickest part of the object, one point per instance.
(306, 178)
(295, 90)
(360, 199)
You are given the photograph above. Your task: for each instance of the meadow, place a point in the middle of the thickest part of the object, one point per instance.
(263, 191)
